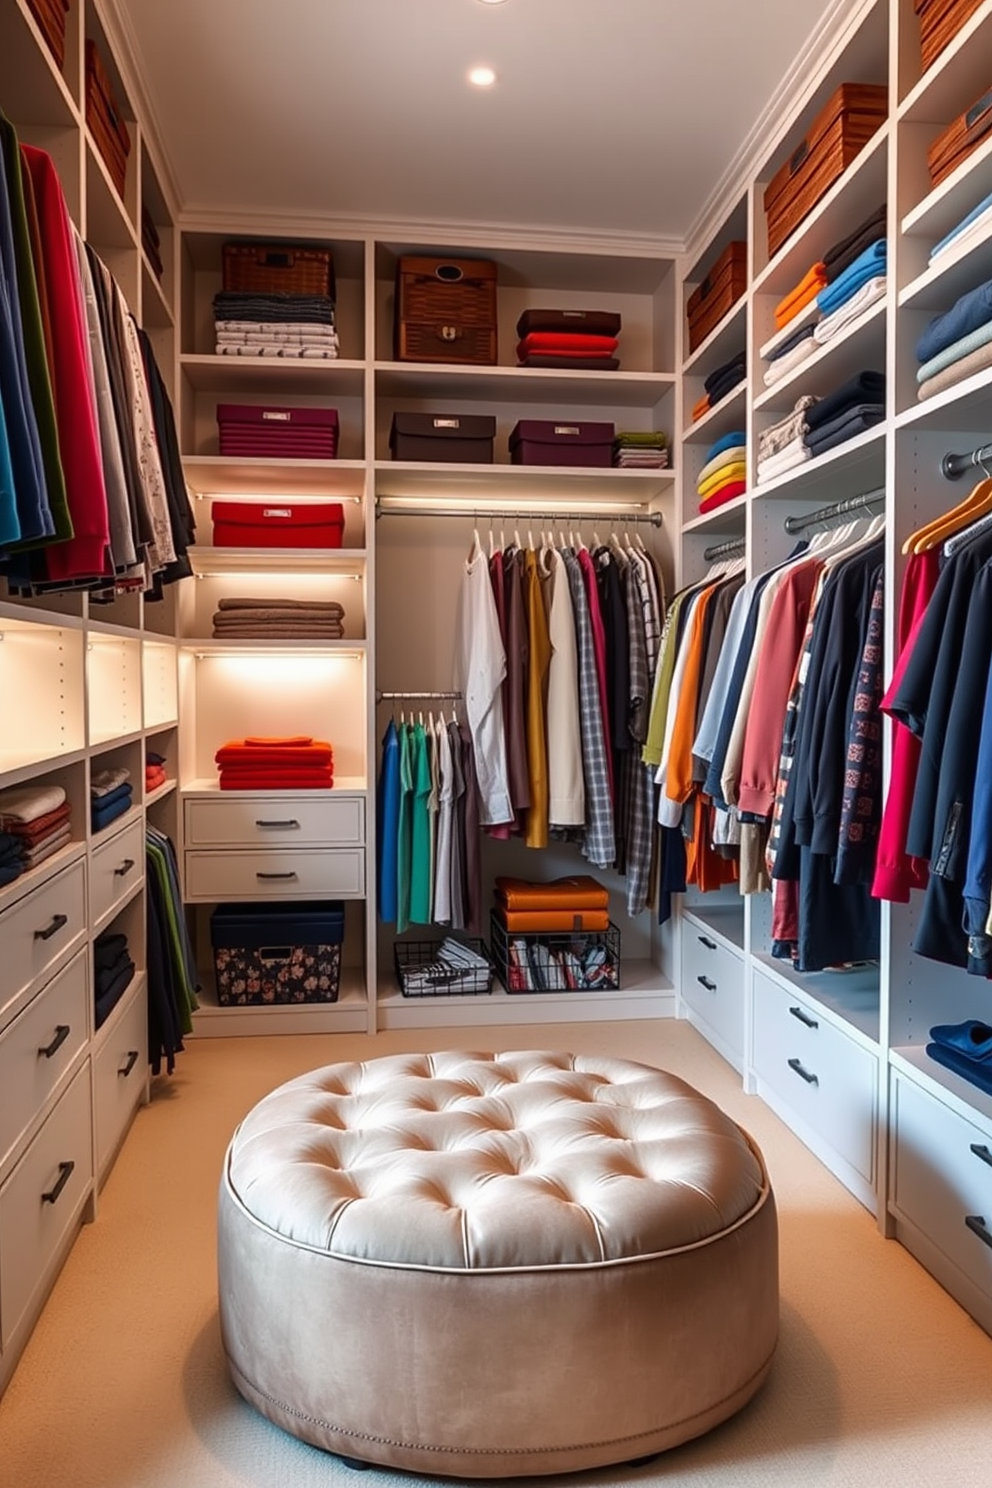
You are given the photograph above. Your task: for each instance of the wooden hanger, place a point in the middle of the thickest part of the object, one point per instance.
(976, 504)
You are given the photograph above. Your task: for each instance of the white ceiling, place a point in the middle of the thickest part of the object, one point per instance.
(608, 116)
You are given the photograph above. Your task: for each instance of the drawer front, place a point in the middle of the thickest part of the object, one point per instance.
(120, 1071)
(116, 867)
(39, 1046)
(942, 1179)
(41, 1198)
(827, 1078)
(334, 872)
(713, 985)
(37, 931)
(280, 821)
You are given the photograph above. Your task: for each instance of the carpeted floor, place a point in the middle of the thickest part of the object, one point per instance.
(880, 1379)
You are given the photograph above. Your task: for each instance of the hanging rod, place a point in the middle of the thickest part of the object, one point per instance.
(952, 467)
(724, 549)
(385, 697)
(568, 514)
(837, 509)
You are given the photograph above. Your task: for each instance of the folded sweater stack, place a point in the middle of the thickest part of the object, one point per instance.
(858, 404)
(278, 619)
(155, 775)
(576, 903)
(724, 473)
(965, 1048)
(957, 344)
(580, 340)
(112, 972)
(34, 824)
(849, 296)
(782, 445)
(801, 295)
(291, 762)
(275, 325)
(634, 450)
(111, 793)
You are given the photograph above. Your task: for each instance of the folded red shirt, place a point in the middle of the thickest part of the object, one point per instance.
(723, 493)
(567, 343)
(277, 780)
(245, 753)
(30, 831)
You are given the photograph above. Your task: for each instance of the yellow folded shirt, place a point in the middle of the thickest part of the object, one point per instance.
(736, 471)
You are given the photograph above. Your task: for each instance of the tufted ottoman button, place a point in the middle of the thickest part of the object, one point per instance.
(481, 1265)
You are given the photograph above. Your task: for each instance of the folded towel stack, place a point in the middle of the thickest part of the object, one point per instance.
(111, 793)
(633, 450)
(957, 344)
(858, 404)
(781, 446)
(278, 619)
(724, 473)
(291, 762)
(112, 972)
(275, 325)
(155, 775)
(580, 340)
(35, 821)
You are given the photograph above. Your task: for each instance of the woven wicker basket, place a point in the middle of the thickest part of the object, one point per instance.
(277, 268)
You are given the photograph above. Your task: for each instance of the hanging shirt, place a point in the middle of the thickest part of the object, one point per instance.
(479, 669)
(446, 801)
(539, 648)
(404, 830)
(420, 838)
(599, 845)
(566, 784)
(388, 812)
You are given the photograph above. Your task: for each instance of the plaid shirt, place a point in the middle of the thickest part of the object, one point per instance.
(600, 843)
(861, 813)
(644, 631)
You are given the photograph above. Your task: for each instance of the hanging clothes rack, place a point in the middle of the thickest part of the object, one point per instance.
(388, 697)
(733, 545)
(952, 467)
(508, 509)
(836, 509)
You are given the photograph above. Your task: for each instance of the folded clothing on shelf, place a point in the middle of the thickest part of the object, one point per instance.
(248, 617)
(795, 452)
(969, 365)
(842, 254)
(578, 891)
(702, 406)
(869, 292)
(637, 450)
(785, 364)
(113, 970)
(722, 380)
(846, 425)
(777, 436)
(23, 804)
(103, 782)
(546, 921)
(803, 294)
(110, 805)
(277, 763)
(11, 860)
(572, 322)
(281, 325)
(868, 265)
(273, 309)
(974, 224)
(724, 472)
(255, 431)
(585, 363)
(969, 311)
(863, 387)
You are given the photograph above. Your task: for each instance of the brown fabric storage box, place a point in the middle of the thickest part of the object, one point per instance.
(448, 438)
(445, 310)
(940, 22)
(571, 322)
(277, 524)
(845, 124)
(722, 287)
(956, 142)
(277, 268)
(104, 118)
(50, 15)
(547, 442)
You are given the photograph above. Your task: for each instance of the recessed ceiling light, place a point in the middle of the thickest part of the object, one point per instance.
(482, 77)
(492, 2)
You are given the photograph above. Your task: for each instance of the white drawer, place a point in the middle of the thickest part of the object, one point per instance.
(120, 1072)
(38, 931)
(275, 821)
(713, 985)
(38, 1047)
(41, 1199)
(826, 1077)
(275, 875)
(117, 865)
(942, 1179)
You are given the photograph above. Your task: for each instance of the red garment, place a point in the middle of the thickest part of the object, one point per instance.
(896, 873)
(276, 779)
(723, 494)
(497, 578)
(599, 646)
(568, 343)
(86, 553)
(40, 826)
(241, 754)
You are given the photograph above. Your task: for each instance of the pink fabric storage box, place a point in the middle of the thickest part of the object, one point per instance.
(301, 433)
(278, 524)
(553, 442)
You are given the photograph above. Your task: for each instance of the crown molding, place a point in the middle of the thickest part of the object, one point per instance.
(120, 33)
(824, 45)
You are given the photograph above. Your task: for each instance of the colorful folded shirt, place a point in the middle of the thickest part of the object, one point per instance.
(732, 470)
(703, 406)
(802, 295)
(40, 826)
(722, 495)
(573, 322)
(968, 366)
(868, 265)
(954, 353)
(277, 780)
(567, 344)
(25, 803)
(726, 442)
(735, 455)
(967, 313)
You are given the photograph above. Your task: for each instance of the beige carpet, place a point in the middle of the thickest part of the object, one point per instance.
(879, 1378)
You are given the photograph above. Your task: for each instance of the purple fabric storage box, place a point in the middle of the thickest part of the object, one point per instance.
(250, 429)
(448, 438)
(553, 442)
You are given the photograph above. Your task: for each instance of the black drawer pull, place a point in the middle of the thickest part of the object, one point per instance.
(62, 1032)
(65, 1173)
(803, 1074)
(283, 825)
(804, 1018)
(124, 869)
(290, 874)
(705, 982)
(58, 921)
(982, 1152)
(704, 940)
(977, 1226)
(132, 1059)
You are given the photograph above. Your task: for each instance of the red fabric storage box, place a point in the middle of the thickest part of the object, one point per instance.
(548, 442)
(278, 524)
(247, 429)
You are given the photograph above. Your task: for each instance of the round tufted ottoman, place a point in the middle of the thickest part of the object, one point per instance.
(492, 1265)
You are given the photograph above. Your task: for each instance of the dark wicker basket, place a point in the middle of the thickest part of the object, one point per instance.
(277, 268)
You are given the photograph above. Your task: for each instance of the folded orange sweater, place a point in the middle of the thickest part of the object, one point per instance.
(804, 293)
(244, 752)
(524, 922)
(579, 891)
(703, 406)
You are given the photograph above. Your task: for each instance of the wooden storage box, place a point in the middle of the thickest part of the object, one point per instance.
(722, 287)
(450, 438)
(277, 268)
(278, 524)
(545, 442)
(957, 141)
(267, 953)
(940, 21)
(50, 15)
(845, 124)
(445, 310)
(104, 118)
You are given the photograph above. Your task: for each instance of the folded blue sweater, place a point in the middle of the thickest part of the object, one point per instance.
(965, 315)
(867, 265)
(727, 441)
